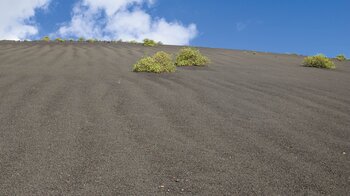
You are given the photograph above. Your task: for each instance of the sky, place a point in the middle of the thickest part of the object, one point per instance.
(305, 27)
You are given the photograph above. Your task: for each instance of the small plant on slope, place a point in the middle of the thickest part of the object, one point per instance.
(59, 40)
(133, 42)
(341, 57)
(149, 42)
(191, 57)
(46, 39)
(91, 40)
(319, 61)
(158, 63)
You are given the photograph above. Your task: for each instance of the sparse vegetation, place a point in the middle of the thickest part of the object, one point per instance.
(158, 63)
(59, 40)
(46, 38)
(319, 61)
(149, 42)
(133, 42)
(341, 57)
(71, 40)
(191, 57)
(91, 40)
(81, 39)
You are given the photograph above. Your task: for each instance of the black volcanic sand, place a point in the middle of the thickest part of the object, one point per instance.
(75, 120)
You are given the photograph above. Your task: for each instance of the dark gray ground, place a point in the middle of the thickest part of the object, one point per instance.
(74, 120)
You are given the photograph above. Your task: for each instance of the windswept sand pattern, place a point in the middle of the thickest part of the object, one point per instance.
(74, 120)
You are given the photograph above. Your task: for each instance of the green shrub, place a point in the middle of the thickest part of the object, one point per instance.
(341, 57)
(133, 42)
(71, 40)
(158, 63)
(191, 57)
(91, 40)
(81, 39)
(149, 42)
(59, 40)
(319, 61)
(46, 38)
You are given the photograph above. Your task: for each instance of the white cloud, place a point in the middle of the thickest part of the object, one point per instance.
(15, 18)
(123, 19)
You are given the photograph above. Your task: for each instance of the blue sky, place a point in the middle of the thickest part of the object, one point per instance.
(284, 26)
(296, 26)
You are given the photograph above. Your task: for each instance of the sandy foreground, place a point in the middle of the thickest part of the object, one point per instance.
(75, 120)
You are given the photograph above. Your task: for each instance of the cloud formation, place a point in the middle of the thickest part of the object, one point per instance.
(123, 19)
(16, 18)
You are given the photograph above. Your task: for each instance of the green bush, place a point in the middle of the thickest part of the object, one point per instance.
(81, 39)
(341, 57)
(319, 61)
(91, 40)
(46, 38)
(191, 57)
(133, 42)
(59, 40)
(71, 40)
(149, 42)
(158, 63)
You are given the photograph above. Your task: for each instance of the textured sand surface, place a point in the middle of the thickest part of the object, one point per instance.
(74, 120)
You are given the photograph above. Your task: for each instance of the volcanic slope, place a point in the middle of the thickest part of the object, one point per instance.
(75, 120)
